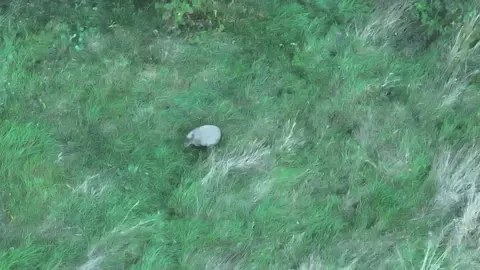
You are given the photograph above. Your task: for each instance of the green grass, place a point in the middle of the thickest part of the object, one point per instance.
(341, 147)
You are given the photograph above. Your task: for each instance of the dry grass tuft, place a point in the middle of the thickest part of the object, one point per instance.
(457, 173)
(117, 242)
(166, 49)
(149, 74)
(466, 227)
(387, 22)
(463, 49)
(143, 113)
(313, 262)
(261, 189)
(454, 88)
(462, 62)
(218, 263)
(91, 186)
(253, 155)
(93, 263)
(431, 259)
(117, 70)
(290, 138)
(53, 228)
(96, 43)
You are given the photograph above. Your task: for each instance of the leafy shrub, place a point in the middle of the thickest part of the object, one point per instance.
(439, 16)
(191, 14)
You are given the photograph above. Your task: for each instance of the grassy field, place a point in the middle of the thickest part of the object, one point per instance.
(349, 135)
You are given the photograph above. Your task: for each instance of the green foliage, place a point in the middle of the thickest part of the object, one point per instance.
(28, 162)
(77, 40)
(192, 15)
(438, 17)
(176, 10)
(431, 14)
(328, 147)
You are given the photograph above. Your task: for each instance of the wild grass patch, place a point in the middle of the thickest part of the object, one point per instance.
(343, 145)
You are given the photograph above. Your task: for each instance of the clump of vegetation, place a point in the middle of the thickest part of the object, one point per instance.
(348, 134)
(195, 15)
